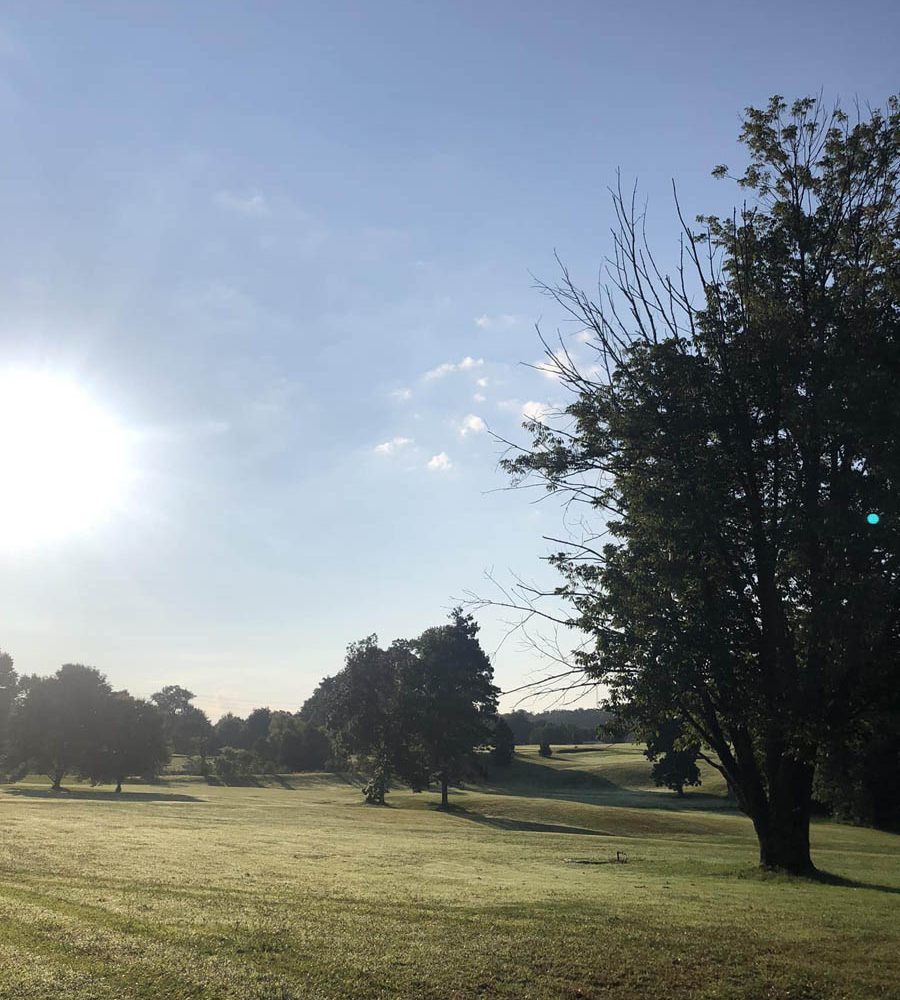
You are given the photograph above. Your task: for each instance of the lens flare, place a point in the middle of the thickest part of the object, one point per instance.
(65, 462)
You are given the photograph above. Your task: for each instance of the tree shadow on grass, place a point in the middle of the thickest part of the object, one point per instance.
(521, 825)
(817, 876)
(532, 779)
(828, 878)
(282, 782)
(92, 795)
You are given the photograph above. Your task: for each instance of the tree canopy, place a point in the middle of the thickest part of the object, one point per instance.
(733, 448)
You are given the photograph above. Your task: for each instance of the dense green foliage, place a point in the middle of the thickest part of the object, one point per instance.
(503, 742)
(187, 728)
(73, 723)
(417, 711)
(735, 449)
(675, 756)
(454, 701)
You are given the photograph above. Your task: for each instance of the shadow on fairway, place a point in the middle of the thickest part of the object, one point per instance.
(521, 825)
(530, 778)
(84, 795)
(826, 878)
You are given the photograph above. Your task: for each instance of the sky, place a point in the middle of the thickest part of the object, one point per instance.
(287, 252)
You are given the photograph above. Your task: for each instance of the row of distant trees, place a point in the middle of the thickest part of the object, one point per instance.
(416, 712)
(73, 723)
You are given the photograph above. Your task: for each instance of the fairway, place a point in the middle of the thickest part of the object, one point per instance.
(296, 889)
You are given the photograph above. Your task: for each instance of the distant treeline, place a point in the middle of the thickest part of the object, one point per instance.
(74, 723)
(418, 711)
(564, 726)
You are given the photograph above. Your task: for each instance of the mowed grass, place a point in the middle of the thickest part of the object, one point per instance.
(297, 889)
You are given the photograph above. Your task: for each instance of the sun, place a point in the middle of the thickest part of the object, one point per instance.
(65, 463)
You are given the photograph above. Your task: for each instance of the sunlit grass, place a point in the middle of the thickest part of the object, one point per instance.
(296, 889)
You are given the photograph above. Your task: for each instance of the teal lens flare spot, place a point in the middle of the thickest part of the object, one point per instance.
(873, 518)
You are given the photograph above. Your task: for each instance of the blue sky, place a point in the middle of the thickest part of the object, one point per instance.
(289, 247)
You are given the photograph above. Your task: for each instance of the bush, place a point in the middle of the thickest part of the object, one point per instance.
(234, 765)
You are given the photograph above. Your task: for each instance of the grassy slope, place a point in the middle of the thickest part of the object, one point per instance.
(299, 890)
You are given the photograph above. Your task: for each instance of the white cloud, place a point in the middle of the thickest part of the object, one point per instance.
(448, 367)
(533, 410)
(402, 395)
(479, 397)
(392, 446)
(548, 368)
(439, 463)
(584, 336)
(472, 425)
(481, 382)
(502, 322)
(251, 203)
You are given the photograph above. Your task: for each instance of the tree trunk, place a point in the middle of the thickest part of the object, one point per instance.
(118, 786)
(445, 802)
(782, 826)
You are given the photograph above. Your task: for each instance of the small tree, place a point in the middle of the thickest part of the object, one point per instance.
(187, 728)
(233, 765)
(503, 742)
(520, 722)
(9, 685)
(297, 745)
(228, 732)
(675, 756)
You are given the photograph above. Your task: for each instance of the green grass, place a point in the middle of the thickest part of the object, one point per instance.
(296, 889)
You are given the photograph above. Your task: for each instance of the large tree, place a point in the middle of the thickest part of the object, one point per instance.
(738, 431)
(128, 740)
(56, 722)
(366, 714)
(453, 701)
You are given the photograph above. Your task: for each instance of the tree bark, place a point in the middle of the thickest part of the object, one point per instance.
(782, 824)
(445, 802)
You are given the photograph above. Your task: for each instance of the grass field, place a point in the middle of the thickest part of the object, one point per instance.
(296, 889)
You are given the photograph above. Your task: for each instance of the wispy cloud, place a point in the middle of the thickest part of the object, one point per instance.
(549, 368)
(402, 395)
(393, 446)
(532, 410)
(248, 203)
(584, 336)
(448, 367)
(501, 322)
(439, 463)
(482, 383)
(479, 397)
(472, 424)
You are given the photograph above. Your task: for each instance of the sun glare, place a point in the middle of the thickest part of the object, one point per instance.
(64, 461)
